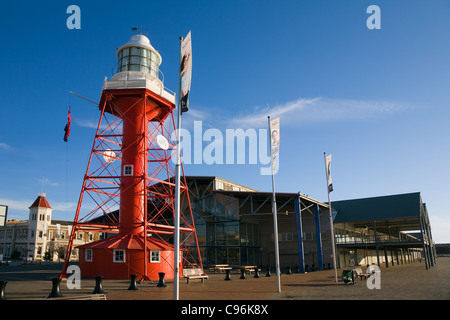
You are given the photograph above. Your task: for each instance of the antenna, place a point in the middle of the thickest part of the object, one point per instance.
(42, 189)
(134, 29)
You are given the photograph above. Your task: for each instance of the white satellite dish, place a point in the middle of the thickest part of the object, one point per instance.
(162, 142)
(109, 156)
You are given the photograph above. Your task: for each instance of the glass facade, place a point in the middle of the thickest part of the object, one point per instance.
(222, 238)
(139, 59)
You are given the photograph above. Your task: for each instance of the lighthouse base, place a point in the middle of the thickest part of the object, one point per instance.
(120, 256)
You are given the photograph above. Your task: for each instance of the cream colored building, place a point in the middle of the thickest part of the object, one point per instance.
(40, 238)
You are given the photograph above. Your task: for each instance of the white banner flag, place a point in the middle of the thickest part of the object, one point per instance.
(185, 72)
(275, 138)
(328, 166)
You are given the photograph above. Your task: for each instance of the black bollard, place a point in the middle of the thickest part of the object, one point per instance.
(268, 272)
(133, 285)
(55, 293)
(242, 274)
(98, 285)
(228, 278)
(161, 283)
(329, 266)
(256, 273)
(2, 290)
(306, 268)
(289, 270)
(312, 267)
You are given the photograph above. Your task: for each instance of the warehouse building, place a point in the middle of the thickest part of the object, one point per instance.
(234, 226)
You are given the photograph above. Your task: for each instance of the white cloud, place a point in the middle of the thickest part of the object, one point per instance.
(5, 146)
(86, 123)
(316, 110)
(12, 204)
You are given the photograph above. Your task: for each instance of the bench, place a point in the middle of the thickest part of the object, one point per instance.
(194, 273)
(360, 274)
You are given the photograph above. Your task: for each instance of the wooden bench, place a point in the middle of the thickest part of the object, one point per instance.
(361, 274)
(194, 273)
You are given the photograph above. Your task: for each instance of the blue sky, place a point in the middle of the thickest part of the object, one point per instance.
(377, 100)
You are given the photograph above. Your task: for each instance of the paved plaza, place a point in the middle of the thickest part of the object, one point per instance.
(399, 282)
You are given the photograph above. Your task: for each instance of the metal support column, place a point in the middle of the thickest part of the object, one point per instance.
(298, 215)
(425, 254)
(376, 243)
(318, 237)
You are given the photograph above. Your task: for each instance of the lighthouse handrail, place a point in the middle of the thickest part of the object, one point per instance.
(150, 82)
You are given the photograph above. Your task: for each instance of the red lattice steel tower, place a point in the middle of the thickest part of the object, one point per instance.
(128, 190)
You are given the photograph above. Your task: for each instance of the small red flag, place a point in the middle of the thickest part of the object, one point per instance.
(67, 128)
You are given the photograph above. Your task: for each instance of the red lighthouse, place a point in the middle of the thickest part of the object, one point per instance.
(128, 189)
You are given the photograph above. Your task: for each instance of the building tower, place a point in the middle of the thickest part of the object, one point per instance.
(128, 189)
(40, 217)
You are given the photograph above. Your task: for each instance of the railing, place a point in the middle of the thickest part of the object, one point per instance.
(342, 239)
(149, 82)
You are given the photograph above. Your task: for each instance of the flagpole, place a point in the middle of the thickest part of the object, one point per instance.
(176, 240)
(274, 211)
(331, 221)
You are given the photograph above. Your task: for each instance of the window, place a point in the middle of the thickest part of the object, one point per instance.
(128, 170)
(119, 255)
(88, 255)
(219, 185)
(155, 256)
(288, 236)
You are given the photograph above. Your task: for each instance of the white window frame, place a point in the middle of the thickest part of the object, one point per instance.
(88, 255)
(115, 251)
(157, 255)
(126, 167)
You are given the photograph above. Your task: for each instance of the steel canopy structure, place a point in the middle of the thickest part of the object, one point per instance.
(393, 223)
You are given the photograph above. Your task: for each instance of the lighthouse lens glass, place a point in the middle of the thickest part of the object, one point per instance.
(139, 59)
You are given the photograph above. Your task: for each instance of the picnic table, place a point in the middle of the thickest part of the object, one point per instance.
(219, 267)
(248, 269)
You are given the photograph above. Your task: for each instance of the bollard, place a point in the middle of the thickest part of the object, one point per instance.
(242, 274)
(312, 267)
(256, 273)
(133, 285)
(228, 278)
(2, 290)
(306, 268)
(55, 293)
(289, 270)
(98, 285)
(161, 283)
(268, 272)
